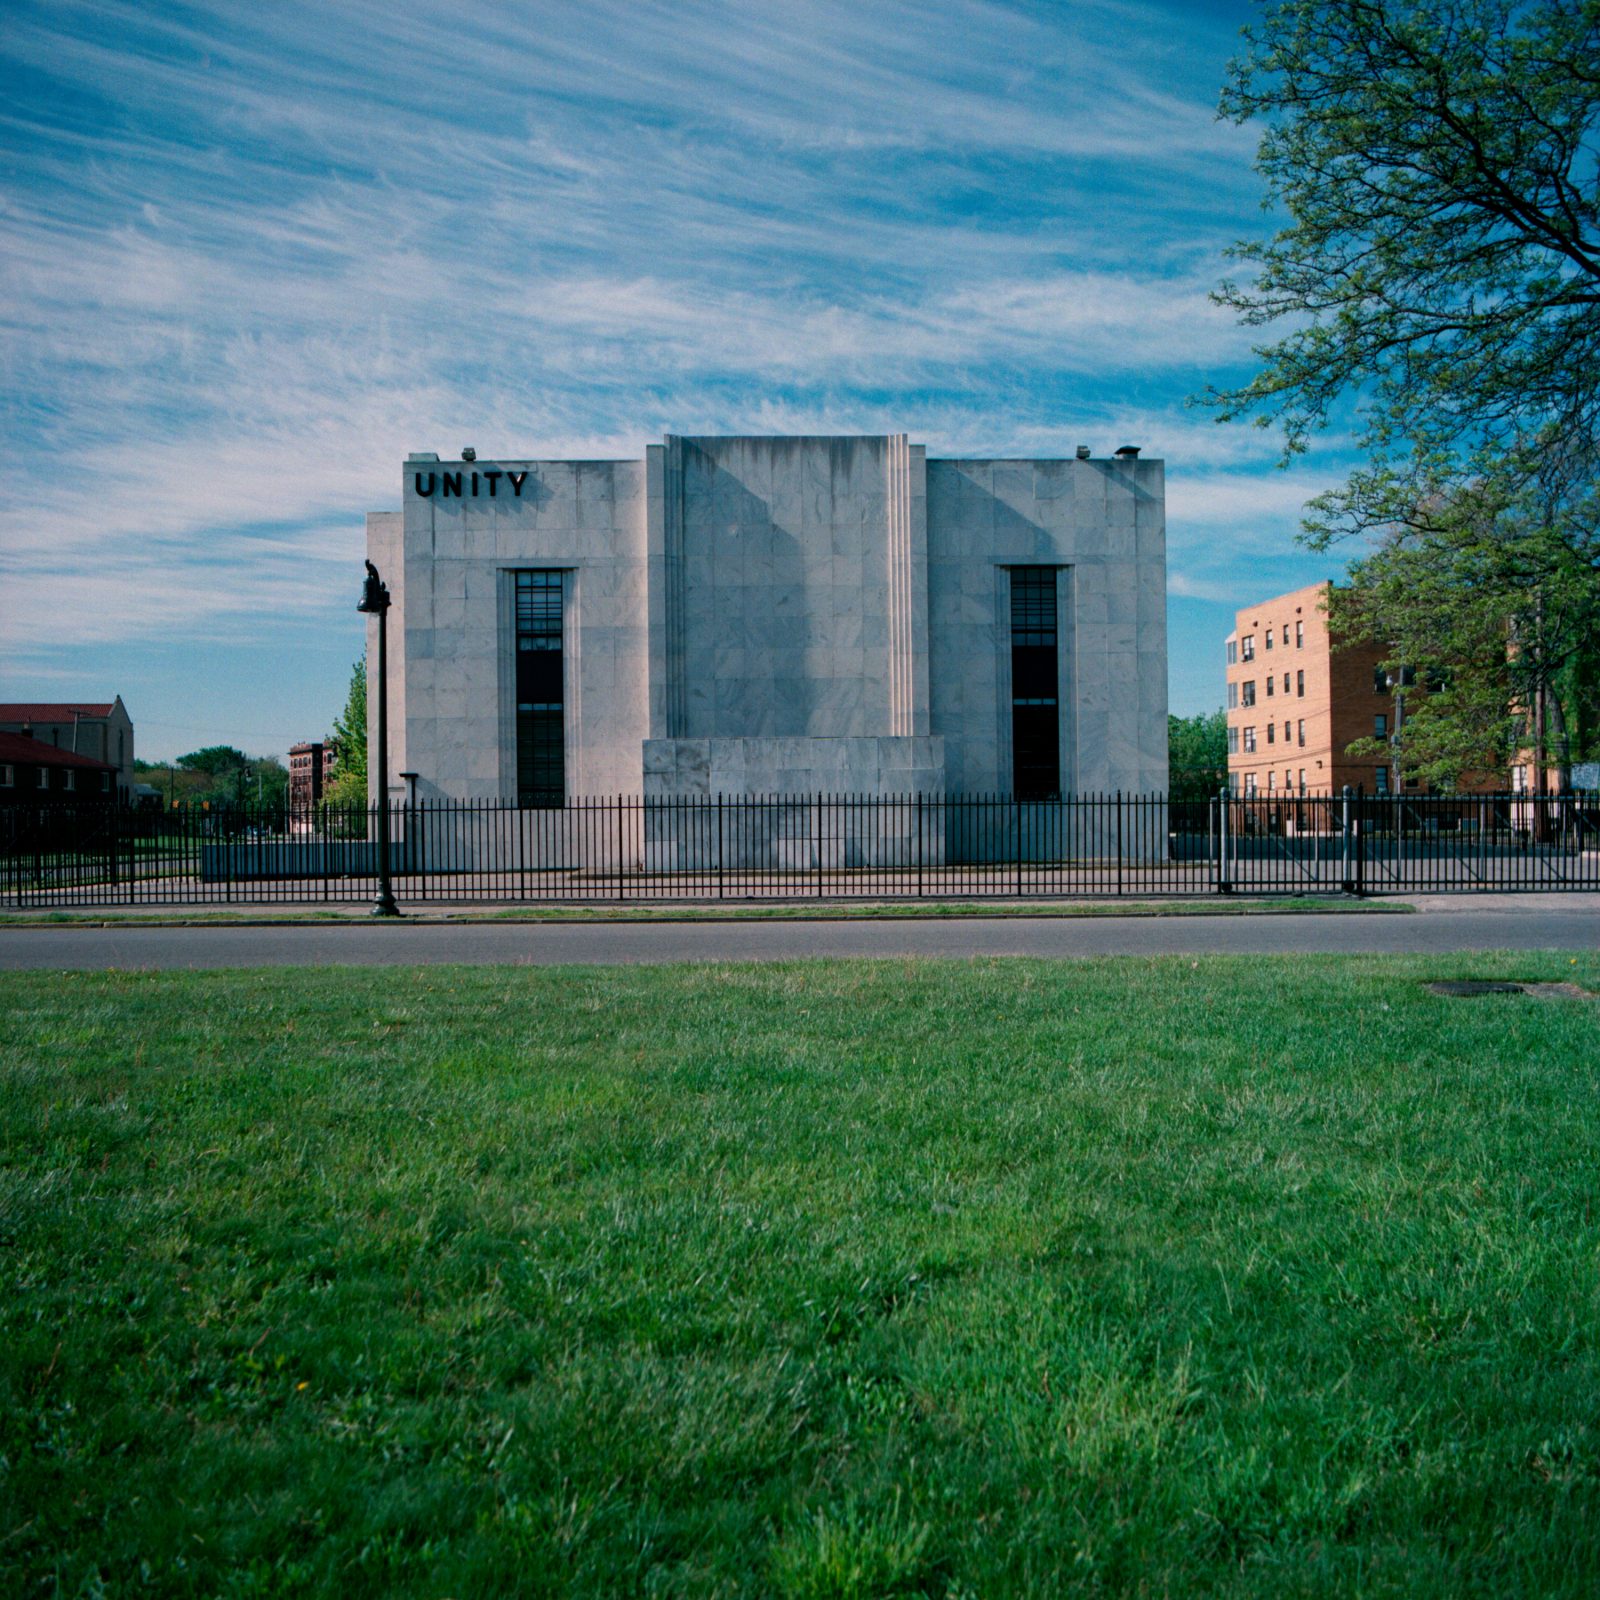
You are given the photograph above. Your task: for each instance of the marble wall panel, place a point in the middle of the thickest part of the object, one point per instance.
(785, 573)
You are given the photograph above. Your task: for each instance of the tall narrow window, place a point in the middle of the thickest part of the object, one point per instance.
(541, 732)
(1035, 685)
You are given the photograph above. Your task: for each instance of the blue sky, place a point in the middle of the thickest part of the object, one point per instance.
(252, 255)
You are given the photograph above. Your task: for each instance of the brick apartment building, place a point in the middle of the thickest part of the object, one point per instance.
(1295, 704)
(310, 769)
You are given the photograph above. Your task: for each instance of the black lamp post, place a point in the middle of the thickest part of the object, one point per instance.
(375, 603)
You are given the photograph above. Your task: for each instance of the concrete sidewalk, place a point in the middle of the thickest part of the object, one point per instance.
(1583, 903)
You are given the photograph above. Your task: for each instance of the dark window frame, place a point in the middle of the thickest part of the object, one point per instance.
(1035, 683)
(539, 673)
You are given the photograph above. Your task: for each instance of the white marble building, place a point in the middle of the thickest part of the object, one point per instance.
(776, 616)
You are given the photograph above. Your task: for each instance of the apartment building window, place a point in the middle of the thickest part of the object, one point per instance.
(1247, 647)
(1302, 733)
(1270, 681)
(1380, 779)
(1300, 683)
(1233, 651)
(541, 701)
(1035, 685)
(1233, 697)
(8, 777)
(1272, 731)
(69, 779)
(1250, 741)
(1233, 741)
(1299, 635)
(1302, 780)
(1286, 646)
(43, 777)
(1268, 637)
(1286, 683)
(1272, 782)
(1249, 786)
(1380, 726)
(1247, 692)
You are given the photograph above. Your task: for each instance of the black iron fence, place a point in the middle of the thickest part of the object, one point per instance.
(812, 847)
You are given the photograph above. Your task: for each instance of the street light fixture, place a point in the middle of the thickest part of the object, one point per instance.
(1396, 682)
(375, 603)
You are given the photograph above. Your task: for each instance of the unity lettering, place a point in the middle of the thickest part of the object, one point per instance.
(450, 483)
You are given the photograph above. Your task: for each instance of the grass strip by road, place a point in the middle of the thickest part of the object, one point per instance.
(1267, 1277)
(724, 911)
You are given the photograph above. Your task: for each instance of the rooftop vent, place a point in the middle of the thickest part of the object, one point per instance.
(1083, 452)
(468, 453)
(423, 455)
(1128, 452)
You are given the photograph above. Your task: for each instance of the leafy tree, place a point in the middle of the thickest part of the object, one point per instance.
(267, 782)
(1197, 755)
(350, 726)
(1496, 614)
(215, 760)
(348, 786)
(1440, 262)
(224, 774)
(1439, 266)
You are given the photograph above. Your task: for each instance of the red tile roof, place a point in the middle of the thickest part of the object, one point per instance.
(50, 710)
(15, 747)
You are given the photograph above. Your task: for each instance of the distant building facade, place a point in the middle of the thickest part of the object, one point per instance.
(33, 772)
(101, 731)
(1295, 704)
(310, 770)
(774, 616)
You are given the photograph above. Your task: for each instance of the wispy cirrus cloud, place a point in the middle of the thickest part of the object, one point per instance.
(249, 256)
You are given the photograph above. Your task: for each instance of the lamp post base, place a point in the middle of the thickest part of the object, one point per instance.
(384, 906)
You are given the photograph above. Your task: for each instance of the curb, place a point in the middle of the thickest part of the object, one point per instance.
(669, 919)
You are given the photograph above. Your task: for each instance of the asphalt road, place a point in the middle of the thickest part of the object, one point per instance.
(1555, 922)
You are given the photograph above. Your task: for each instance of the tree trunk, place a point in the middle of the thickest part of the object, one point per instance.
(1541, 831)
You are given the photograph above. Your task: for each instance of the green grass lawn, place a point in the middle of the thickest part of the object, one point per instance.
(1256, 1277)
